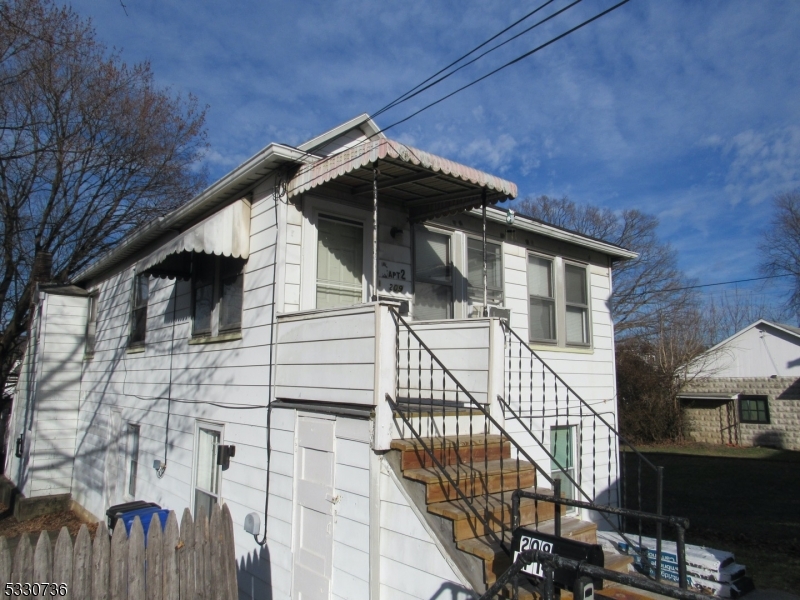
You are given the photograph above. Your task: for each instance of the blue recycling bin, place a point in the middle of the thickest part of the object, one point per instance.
(146, 516)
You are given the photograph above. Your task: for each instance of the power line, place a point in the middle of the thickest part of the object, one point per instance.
(703, 285)
(443, 98)
(408, 95)
(402, 98)
(508, 64)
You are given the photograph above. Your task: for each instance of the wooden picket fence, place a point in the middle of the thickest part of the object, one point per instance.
(195, 561)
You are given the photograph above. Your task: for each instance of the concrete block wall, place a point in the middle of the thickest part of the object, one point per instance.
(717, 422)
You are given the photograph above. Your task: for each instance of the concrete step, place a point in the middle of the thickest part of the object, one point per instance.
(495, 512)
(451, 450)
(483, 477)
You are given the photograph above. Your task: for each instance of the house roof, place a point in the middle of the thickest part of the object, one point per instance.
(426, 184)
(793, 331)
(526, 223)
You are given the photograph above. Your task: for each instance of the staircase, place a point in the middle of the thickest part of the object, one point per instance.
(485, 474)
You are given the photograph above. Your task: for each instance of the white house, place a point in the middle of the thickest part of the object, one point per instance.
(746, 389)
(238, 350)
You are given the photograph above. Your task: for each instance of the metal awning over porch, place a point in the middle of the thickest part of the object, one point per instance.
(426, 185)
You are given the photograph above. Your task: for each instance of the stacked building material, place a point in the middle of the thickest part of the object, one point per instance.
(708, 570)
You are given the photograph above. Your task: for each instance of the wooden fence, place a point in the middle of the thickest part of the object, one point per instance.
(197, 561)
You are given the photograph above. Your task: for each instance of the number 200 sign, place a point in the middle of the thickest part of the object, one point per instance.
(528, 543)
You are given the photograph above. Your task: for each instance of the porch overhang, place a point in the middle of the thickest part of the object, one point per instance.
(225, 233)
(427, 185)
(721, 397)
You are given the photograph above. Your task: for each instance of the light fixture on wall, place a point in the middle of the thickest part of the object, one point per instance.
(510, 216)
(395, 231)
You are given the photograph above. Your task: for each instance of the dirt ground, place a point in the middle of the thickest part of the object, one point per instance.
(11, 528)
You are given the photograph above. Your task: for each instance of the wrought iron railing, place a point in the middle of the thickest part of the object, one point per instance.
(455, 431)
(539, 402)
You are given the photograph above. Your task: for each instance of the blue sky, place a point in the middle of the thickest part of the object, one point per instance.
(687, 110)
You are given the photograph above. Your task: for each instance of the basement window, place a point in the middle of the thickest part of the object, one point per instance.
(754, 409)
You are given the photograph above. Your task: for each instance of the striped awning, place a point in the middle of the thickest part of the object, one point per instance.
(225, 233)
(429, 185)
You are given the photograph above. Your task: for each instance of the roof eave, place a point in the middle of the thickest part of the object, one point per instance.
(196, 207)
(363, 121)
(521, 222)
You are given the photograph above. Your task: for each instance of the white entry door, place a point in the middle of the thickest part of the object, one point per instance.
(314, 505)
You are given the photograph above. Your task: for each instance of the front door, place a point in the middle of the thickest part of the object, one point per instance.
(314, 503)
(433, 275)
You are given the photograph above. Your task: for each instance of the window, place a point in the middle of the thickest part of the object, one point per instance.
(133, 458)
(207, 472)
(494, 275)
(141, 291)
(217, 291)
(558, 302)
(542, 315)
(433, 279)
(754, 409)
(562, 447)
(577, 319)
(91, 325)
(340, 262)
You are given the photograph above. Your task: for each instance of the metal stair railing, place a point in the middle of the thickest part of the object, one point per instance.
(427, 392)
(538, 399)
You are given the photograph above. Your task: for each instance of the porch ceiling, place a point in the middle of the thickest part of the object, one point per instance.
(427, 185)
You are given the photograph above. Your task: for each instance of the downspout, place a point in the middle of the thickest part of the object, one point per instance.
(375, 173)
(485, 277)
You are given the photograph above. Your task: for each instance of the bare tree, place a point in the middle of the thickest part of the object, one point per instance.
(732, 310)
(780, 248)
(89, 149)
(641, 286)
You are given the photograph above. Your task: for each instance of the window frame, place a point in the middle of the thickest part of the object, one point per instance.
(219, 429)
(323, 215)
(586, 307)
(450, 265)
(467, 286)
(137, 304)
(553, 298)
(133, 447)
(91, 326)
(215, 328)
(758, 399)
(574, 458)
(560, 264)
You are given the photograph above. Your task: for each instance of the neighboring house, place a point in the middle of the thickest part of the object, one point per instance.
(150, 376)
(746, 389)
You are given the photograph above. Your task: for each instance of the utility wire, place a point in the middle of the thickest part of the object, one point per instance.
(335, 165)
(703, 285)
(409, 95)
(508, 64)
(402, 98)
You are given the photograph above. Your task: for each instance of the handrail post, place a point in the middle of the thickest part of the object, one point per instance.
(549, 588)
(515, 510)
(557, 498)
(659, 512)
(681, 557)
